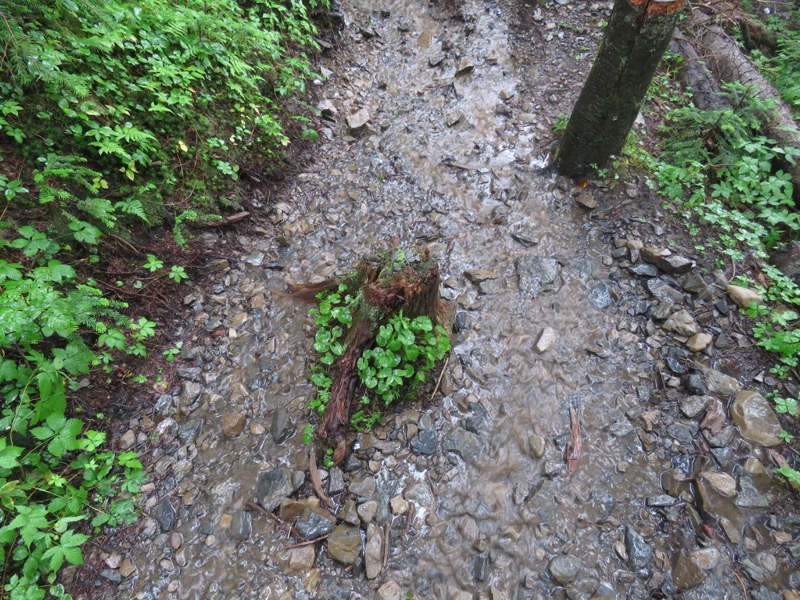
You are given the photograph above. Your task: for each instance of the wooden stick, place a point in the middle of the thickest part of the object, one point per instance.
(316, 482)
(439, 381)
(229, 220)
(309, 542)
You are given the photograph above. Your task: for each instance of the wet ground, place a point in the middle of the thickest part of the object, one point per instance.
(437, 121)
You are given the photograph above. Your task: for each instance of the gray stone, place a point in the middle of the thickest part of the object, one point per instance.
(696, 384)
(651, 253)
(282, 426)
(373, 552)
(644, 270)
(723, 483)
(454, 118)
(367, 511)
(546, 339)
(681, 323)
(587, 200)
(481, 567)
(298, 560)
(537, 445)
(166, 515)
(190, 430)
(749, 496)
(469, 445)
(719, 383)
(706, 558)
(241, 525)
(425, 442)
(314, 523)
(112, 575)
(600, 295)
(699, 342)
(273, 487)
(660, 501)
(233, 423)
(362, 487)
(743, 296)
(357, 122)
(335, 481)
(537, 274)
(190, 392)
(390, 591)
(639, 553)
(756, 419)
(674, 264)
(127, 440)
(564, 569)
(479, 275)
(661, 290)
(344, 544)
(691, 406)
(685, 572)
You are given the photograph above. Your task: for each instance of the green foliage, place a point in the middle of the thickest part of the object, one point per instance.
(405, 350)
(783, 69)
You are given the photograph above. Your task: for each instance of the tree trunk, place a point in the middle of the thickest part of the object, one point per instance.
(696, 77)
(634, 41)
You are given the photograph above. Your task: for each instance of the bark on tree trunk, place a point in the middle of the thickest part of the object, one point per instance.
(696, 77)
(634, 41)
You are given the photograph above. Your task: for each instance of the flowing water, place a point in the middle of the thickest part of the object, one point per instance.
(442, 162)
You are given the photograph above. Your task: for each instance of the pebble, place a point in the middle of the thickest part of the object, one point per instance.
(756, 419)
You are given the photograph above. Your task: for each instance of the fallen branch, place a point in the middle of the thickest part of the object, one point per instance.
(224, 221)
(316, 482)
(309, 542)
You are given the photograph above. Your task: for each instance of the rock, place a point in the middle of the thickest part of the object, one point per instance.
(190, 430)
(298, 560)
(674, 264)
(564, 569)
(743, 296)
(685, 572)
(719, 383)
(454, 118)
(479, 275)
(335, 481)
(362, 487)
(537, 274)
(127, 568)
(722, 482)
(399, 505)
(233, 423)
(344, 544)
(695, 384)
(681, 323)
(314, 523)
(112, 575)
(537, 445)
(469, 445)
(357, 122)
(756, 419)
(749, 496)
(190, 392)
(660, 501)
(465, 67)
(705, 558)
(651, 254)
(425, 442)
(546, 339)
(691, 406)
(661, 290)
(699, 342)
(639, 553)
(367, 511)
(273, 487)
(166, 515)
(373, 552)
(241, 525)
(390, 591)
(644, 270)
(282, 426)
(600, 295)
(127, 440)
(587, 200)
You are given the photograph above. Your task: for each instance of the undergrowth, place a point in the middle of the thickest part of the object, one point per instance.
(114, 116)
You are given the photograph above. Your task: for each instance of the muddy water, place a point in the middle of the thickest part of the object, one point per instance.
(440, 163)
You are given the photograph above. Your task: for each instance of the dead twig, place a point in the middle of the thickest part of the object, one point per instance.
(316, 482)
(439, 381)
(224, 221)
(574, 448)
(386, 536)
(309, 542)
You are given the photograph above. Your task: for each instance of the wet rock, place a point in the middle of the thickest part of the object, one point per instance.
(367, 511)
(600, 295)
(660, 501)
(537, 274)
(425, 442)
(419, 493)
(723, 483)
(454, 118)
(749, 496)
(436, 59)
(756, 419)
(273, 487)
(166, 515)
(719, 383)
(644, 270)
(315, 522)
(661, 290)
(241, 525)
(465, 67)
(190, 430)
(651, 253)
(111, 575)
(335, 481)
(127, 440)
(190, 392)
(233, 423)
(685, 572)
(681, 323)
(469, 445)
(699, 342)
(564, 569)
(357, 122)
(399, 505)
(638, 550)
(282, 426)
(362, 487)
(706, 558)
(127, 568)
(546, 339)
(691, 406)
(537, 445)
(587, 200)
(344, 544)
(298, 560)
(373, 552)
(695, 384)
(390, 591)
(743, 296)
(674, 264)
(461, 322)
(479, 275)
(480, 568)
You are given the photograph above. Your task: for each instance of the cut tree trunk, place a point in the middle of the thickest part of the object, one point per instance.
(634, 41)
(729, 64)
(389, 283)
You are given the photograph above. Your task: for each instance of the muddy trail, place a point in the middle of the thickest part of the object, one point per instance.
(436, 123)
